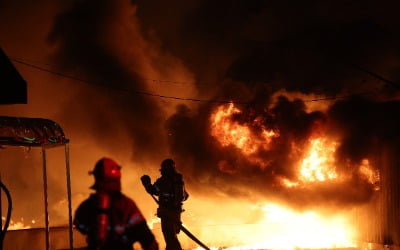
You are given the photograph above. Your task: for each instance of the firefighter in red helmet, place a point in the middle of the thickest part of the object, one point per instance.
(171, 192)
(109, 219)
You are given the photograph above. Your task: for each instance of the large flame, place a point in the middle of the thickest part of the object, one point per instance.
(308, 229)
(314, 163)
(229, 132)
(282, 228)
(318, 163)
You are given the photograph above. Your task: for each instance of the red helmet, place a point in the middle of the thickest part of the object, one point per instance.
(107, 175)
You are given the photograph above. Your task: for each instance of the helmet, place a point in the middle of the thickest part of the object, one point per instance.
(107, 175)
(167, 166)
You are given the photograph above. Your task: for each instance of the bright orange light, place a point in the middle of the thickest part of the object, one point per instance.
(229, 132)
(153, 220)
(284, 228)
(318, 164)
(16, 225)
(288, 183)
(308, 229)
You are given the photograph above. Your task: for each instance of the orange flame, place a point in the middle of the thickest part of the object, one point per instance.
(318, 165)
(21, 224)
(230, 132)
(283, 228)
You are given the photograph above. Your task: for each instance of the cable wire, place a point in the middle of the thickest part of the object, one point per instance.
(132, 91)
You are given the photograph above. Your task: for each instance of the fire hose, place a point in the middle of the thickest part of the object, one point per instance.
(187, 232)
(8, 217)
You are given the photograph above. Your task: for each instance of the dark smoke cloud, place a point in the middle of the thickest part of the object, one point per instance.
(307, 46)
(227, 169)
(241, 51)
(366, 126)
(83, 45)
(259, 47)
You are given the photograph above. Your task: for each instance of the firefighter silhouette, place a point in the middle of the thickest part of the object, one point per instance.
(109, 219)
(171, 192)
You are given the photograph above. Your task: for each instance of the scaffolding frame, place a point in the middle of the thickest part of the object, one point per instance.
(46, 134)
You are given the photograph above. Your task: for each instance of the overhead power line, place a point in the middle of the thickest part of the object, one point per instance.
(391, 83)
(132, 91)
(139, 92)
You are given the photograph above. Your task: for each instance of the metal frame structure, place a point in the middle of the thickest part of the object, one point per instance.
(43, 133)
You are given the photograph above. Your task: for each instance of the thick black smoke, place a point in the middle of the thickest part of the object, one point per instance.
(366, 126)
(255, 48)
(308, 45)
(247, 51)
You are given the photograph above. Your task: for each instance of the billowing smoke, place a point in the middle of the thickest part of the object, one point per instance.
(364, 127)
(273, 59)
(105, 64)
(257, 50)
(85, 38)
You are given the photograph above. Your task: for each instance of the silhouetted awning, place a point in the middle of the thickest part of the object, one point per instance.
(30, 132)
(13, 89)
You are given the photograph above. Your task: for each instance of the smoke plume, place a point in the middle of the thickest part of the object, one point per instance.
(257, 50)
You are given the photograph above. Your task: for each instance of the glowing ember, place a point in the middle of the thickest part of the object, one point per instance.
(229, 132)
(318, 165)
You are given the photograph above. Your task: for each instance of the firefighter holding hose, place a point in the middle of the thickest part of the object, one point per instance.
(171, 192)
(109, 219)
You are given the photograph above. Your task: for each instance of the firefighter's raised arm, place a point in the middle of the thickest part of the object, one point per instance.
(146, 181)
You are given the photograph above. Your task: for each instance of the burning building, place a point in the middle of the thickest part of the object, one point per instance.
(280, 115)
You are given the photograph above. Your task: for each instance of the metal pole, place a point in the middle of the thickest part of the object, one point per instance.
(46, 204)
(1, 210)
(67, 166)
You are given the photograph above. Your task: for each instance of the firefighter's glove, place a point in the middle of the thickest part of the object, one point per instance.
(146, 181)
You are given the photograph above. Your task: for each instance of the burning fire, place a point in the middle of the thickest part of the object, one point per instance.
(21, 224)
(283, 228)
(314, 163)
(229, 132)
(308, 229)
(318, 164)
